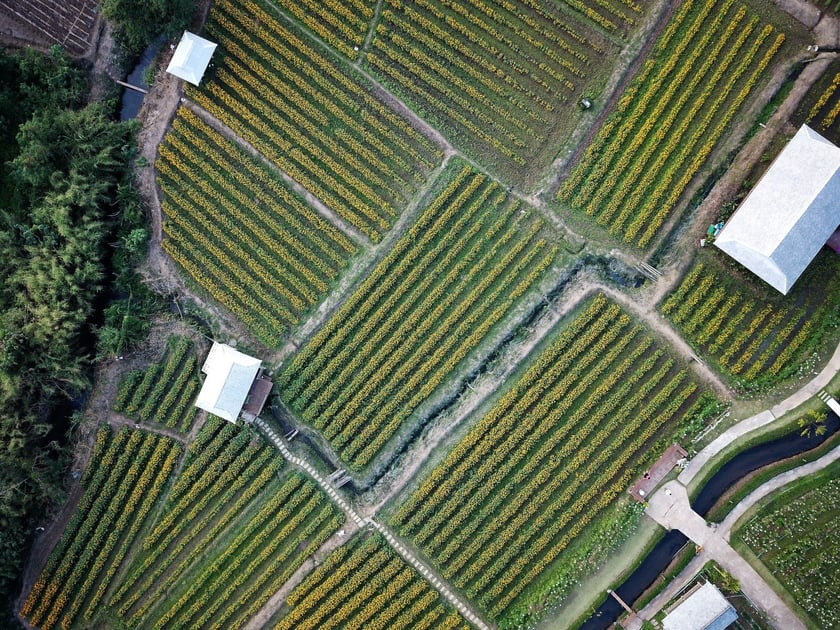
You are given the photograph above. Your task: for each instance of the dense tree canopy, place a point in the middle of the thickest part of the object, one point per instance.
(68, 204)
(140, 21)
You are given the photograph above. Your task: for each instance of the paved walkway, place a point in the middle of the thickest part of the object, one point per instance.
(807, 391)
(302, 463)
(670, 507)
(433, 579)
(779, 481)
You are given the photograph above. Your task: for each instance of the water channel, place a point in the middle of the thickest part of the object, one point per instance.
(739, 466)
(132, 100)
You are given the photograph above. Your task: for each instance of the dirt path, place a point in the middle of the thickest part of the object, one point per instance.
(311, 199)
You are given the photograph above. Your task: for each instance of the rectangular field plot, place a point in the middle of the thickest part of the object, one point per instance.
(502, 76)
(241, 233)
(756, 337)
(795, 538)
(464, 265)
(233, 527)
(165, 392)
(698, 77)
(365, 584)
(124, 479)
(311, 115)
(343, 24)
(549, 459)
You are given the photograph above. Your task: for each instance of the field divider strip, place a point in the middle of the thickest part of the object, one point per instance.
(316, 204)
(437, 582)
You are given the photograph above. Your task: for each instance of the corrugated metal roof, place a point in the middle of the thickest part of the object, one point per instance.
(191, 58)
(789, 214)
(705, 609)
(230, 374)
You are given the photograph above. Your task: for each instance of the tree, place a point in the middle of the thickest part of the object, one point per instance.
(812, 424)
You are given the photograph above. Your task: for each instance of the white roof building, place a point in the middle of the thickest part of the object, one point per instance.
(789, 214)
(230, 375)
(704, 609)
(191, 58)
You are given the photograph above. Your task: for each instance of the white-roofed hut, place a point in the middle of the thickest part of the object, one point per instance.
(790, 213)
(234, 385)
(191, 58)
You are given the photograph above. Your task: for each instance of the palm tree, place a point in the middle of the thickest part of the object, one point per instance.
(812, 423)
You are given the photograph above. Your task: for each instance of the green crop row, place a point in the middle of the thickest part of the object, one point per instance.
(670, 118)
(473, 253)
(164, 392)
(554, 452)
(308, 119)
(366, 585)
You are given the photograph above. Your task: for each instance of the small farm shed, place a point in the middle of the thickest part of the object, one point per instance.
(234, 385)
(790, 213)
(702, 609)
(191, 58)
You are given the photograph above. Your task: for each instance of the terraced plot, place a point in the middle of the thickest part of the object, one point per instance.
(549, 460)
(365, 584)
(756, 337)
(700, 74)
(241, 233)
(824, 114)
(501, 76)
(457, 272)
(165, 392)
(313, 116)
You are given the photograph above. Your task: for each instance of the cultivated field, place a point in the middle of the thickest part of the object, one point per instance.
(68, 23)
(501, 77)
(366, 585)
(342, 24)
(232, 529)
(165, 392)
(125, 478)
(456, 273)
(795, 538)
(314, 117)
(555, 451)
(232, 223)
(756, 337)
(699, 76)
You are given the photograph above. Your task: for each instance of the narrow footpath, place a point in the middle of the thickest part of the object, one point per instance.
(806, 392)
(360, 522)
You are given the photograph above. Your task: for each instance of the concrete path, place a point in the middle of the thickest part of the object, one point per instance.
(807, 391)
(779, 481)
(400, 548)
(427, 573)
(310, 470)
(670, 508)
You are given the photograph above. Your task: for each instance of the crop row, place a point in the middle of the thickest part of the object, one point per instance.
(127, 478)
(225, 473)
(750, 337)
(459, 271)
(366, 585)
(827, 106)
(270, 246)
(670, 119)
(342, 24)
(796, 540)
(496, 69)
(165, 391)
(265, 550)
(307, 118)
(552, 454)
